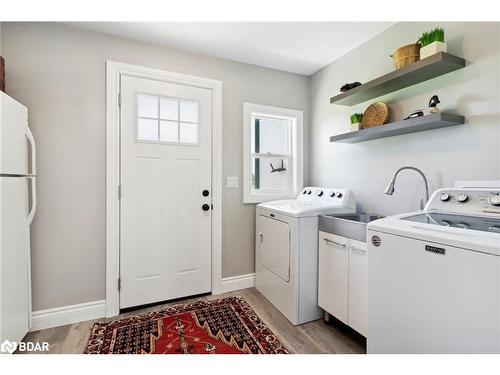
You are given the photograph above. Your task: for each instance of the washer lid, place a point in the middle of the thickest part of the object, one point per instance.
(411, 225)
(482, 224)
(296, 208)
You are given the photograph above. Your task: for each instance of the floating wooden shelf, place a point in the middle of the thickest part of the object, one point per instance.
(413, 125)
(420, 71)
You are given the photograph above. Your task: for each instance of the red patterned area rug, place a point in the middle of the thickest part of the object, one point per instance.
(221, 326)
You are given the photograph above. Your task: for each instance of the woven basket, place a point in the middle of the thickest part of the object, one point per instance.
(406, 55)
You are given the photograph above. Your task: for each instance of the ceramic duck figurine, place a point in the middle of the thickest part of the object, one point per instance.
(433, 108)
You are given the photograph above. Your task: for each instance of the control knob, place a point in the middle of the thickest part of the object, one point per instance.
(445, 197)
(309, 192)
(332, 194)
(320, 193)
(462, 198)
(494, 199)
(338, 194)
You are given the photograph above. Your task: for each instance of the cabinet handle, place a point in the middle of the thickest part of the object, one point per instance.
(261, 239)
(330, 242)
(356, 249)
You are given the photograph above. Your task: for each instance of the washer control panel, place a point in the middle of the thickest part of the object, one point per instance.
(485, 202)
(322, 194)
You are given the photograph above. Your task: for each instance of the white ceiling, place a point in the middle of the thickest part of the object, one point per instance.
(298, 47)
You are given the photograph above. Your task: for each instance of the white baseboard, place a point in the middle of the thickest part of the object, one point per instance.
(229, 284)
(61, 316)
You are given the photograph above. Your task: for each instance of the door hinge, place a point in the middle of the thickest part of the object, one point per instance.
(119, 191)
(119, 99)
(119, 284)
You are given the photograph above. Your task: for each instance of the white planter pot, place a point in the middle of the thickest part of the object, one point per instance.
(432, 49)
(355, 127)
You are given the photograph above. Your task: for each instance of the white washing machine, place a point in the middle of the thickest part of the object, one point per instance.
(286, 249)
(434, 276)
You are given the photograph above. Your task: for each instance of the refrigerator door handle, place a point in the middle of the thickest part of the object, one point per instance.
(31, 140)
(31, 214)
(32, 177)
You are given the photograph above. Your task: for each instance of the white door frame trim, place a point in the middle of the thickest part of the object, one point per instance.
(113, 72)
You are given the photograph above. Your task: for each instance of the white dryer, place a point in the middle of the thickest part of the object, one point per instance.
(286, 249)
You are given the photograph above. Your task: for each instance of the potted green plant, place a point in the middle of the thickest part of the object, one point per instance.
(432, 42)
(356, 121)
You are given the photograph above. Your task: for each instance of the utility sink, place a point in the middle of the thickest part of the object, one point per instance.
(347, 225)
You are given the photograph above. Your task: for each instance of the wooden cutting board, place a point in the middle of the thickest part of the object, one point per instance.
(376, 114)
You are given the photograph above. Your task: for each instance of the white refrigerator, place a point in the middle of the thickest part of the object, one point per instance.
(17, 208)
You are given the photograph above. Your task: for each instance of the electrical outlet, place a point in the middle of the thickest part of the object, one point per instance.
(232, 182)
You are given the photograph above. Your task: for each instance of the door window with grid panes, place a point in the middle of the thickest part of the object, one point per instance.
(167, 120)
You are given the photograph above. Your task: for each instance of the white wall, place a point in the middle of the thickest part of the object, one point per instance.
(471, 151)
(58, 72)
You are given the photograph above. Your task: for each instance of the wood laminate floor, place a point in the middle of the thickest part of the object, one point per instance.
(313, 337)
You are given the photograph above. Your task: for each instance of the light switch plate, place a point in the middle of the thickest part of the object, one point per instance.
(231, 182)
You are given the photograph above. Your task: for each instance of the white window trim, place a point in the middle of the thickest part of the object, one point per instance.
(297, 151)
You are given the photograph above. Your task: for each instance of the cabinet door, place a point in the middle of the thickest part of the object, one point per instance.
(357, 318)
(333, 276)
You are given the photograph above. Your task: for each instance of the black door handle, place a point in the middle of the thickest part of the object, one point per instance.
(205, 207)
(205, 193)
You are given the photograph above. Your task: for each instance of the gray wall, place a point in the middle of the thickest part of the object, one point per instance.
(471, 151)
(58, 72)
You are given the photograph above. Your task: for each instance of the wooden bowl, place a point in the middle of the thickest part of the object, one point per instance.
(376, 114)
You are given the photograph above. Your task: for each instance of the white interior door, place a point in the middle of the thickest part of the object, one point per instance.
(165, 206)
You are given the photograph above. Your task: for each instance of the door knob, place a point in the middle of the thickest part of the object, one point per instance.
(205, 207)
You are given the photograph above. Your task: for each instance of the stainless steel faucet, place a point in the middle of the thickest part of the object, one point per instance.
(389, 190)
